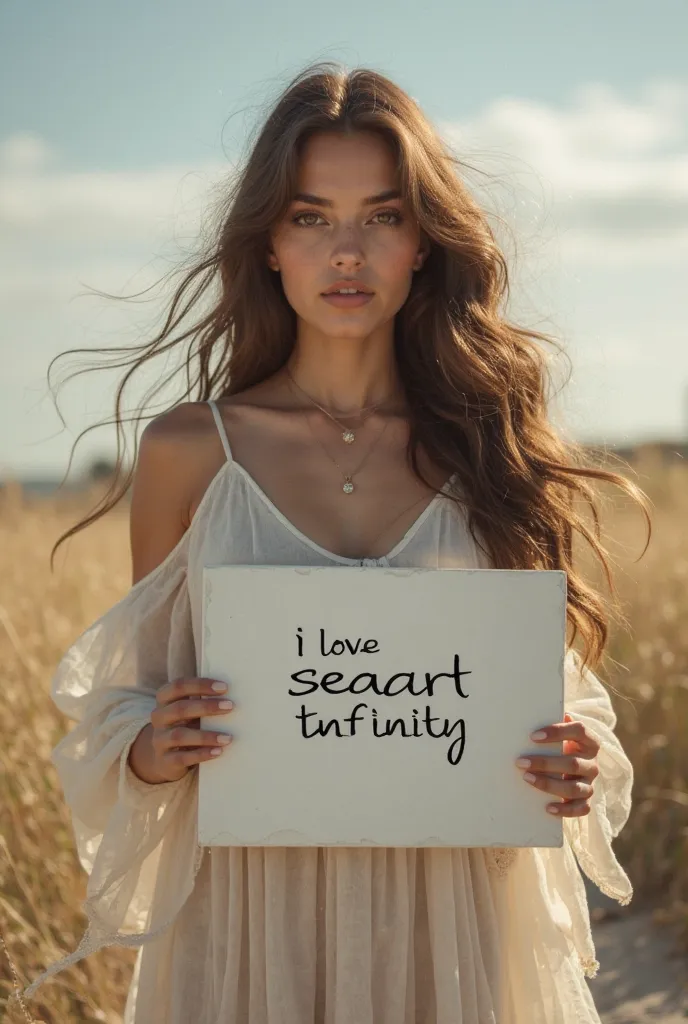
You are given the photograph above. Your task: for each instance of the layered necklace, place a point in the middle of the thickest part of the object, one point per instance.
(348, 435)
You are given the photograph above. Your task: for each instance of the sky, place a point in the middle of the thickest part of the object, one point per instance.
(118, 120)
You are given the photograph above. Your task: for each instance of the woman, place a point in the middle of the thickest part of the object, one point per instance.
(373, 406)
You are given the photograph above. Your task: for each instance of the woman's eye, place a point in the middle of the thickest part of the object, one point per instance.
(381, 213)
(297, 218)
(390, 213)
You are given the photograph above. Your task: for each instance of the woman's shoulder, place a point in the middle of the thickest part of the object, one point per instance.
(180, 453)
(182, 449)
(179, 430)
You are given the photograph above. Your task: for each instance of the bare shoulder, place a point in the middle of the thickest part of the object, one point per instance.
(177, 429)
(179, 454)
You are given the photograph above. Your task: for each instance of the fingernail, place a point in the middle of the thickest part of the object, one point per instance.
(224, 739)
(523, 762)
(539, 735)
(552, 809)
(529, 777)
(219, 687)
(225, 704)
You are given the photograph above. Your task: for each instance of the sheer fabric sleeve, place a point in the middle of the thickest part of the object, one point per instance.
(590, 836)
(134, 839)
(588, 839)
(545, 918)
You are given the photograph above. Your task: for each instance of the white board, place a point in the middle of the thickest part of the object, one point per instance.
(494, 640)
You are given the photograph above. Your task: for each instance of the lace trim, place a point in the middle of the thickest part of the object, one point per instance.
(590, 966)
(500, 859)
(622, 896)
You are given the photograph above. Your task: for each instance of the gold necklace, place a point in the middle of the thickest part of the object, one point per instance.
(348, 435)
(348, 485)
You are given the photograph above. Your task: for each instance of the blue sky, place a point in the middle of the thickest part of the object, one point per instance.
(118, 118)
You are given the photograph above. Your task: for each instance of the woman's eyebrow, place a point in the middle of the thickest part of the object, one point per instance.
(382, 197)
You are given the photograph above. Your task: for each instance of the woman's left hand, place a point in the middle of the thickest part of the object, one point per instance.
(569, 775)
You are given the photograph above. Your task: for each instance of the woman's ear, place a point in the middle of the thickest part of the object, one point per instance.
(272, 260)
(422, 254)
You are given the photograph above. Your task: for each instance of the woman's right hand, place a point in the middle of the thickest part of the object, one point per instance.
(174, 741)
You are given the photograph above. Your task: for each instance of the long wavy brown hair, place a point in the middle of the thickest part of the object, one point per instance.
(476, 384)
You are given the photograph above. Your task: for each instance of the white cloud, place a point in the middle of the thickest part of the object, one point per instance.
(62, 230)
(614, 172)
(86, 206)
(25, 152)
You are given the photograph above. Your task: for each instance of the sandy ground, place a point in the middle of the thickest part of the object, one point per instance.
(641, 978)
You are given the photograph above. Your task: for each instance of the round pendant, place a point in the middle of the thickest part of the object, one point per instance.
(349, 436)
(348, 487)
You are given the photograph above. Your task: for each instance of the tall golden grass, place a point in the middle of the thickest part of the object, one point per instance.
(42, 883)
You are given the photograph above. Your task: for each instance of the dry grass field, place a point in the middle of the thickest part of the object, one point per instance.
(41, 883)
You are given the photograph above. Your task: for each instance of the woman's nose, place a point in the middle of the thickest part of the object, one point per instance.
(348, 246)
(348, 250)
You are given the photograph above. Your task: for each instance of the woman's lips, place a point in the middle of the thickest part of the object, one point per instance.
(347, 301)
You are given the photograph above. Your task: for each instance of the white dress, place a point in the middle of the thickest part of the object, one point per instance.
(304, 935)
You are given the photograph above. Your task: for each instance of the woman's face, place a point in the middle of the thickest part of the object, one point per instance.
(335, 233)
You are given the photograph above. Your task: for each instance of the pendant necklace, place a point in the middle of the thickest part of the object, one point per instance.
(348, 435)
(348, 485)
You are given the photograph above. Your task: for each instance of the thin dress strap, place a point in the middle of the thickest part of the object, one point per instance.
(221, 429)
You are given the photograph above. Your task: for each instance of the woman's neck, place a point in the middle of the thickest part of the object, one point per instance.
(346, 377)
